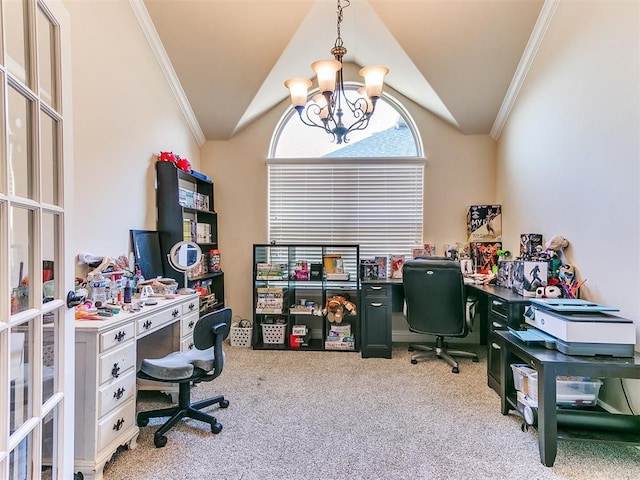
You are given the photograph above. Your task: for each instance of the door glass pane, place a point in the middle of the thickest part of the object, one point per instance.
(21, 254)
(49, 256)
(16, 38)
(50, 445)
(49, 160)
(20, 375)
(50, 354)
(20, 458)
(20, 161)
(46, 55)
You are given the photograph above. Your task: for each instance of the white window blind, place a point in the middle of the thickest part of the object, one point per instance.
(376, 204)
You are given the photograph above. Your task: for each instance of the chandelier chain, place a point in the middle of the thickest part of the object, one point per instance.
(339, 13)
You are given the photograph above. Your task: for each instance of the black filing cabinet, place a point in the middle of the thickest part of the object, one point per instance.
(376, 320)
(505, 309)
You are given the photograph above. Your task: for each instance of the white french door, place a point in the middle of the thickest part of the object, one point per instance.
(36, 328)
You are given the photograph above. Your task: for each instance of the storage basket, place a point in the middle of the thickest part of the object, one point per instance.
(273, 333)
(240, 336)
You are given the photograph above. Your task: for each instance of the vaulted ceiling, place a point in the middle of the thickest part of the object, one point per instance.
(455, 58)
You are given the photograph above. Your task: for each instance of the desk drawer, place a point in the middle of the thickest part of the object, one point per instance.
(191, 307)
(376, 291)
(155, 321)
(498, 307)
(187, 344)
(116, 393)
(113, 365)
(117, 336)
(188, 323)
(116, 423)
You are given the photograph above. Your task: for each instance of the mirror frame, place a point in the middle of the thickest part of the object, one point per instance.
(173, 256)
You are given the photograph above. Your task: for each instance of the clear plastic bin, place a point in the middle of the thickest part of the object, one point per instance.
(570, 391)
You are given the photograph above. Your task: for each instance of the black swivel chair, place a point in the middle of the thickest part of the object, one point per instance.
(201, 364)
(436, 305)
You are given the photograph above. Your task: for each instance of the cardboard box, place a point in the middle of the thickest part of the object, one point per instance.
(527, 276)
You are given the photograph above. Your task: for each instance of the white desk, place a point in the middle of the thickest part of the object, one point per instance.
(108, 355)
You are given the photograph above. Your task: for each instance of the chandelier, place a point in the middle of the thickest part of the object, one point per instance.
(326, 109)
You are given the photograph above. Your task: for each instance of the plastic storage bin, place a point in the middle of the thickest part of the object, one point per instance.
(273, 333)
(240, 336)
(570, 391)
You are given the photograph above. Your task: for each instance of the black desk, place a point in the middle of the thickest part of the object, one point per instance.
(549, 364)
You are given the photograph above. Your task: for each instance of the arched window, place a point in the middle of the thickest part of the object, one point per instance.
(367, 191)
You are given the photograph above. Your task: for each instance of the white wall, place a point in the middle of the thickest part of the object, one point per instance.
(568, 157)
(124, 113)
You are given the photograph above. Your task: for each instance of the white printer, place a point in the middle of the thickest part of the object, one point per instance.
(580, 327)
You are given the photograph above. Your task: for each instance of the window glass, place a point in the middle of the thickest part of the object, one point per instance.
(46, 54)
(49, 161)
(388, 135)
(19, 148)
(14, 15)
(20, 345)
(50, 445)
(20, 459)
(50, 354)
(21, 258)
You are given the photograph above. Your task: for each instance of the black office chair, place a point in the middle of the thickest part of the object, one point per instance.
(436, 305)
(201, 364)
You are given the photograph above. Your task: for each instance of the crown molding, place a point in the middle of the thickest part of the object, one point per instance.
(535, 40)
(160, 53)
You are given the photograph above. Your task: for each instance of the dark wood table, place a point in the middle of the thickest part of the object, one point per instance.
(550, 364)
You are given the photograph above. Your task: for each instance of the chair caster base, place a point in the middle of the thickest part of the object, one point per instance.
(455, 370)
(159, 441)
(216, 427)
(414, 362)
(224, 404)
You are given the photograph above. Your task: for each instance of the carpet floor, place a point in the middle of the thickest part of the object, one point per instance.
(335, 415)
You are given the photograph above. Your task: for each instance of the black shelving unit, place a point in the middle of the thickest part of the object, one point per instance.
(296, 290)
(173, 211)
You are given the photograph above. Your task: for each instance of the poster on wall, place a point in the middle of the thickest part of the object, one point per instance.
(484, 223)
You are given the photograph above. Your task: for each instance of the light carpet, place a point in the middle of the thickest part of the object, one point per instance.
(335, 415)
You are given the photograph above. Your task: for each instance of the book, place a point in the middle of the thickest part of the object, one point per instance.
(333, 263)
(397, 262)
(485, 256)
(269, 300)
(368, 269)
(530, 244)
(382, 267)
(268, 271)
(484, 223)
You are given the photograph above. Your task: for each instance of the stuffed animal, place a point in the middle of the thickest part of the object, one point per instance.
(555, 245)
(167, 157)
(335, 308)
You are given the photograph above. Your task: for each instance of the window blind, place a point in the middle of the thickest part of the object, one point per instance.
(376, 204)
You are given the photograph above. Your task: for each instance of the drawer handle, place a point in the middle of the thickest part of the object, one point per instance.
(497, 325)
(376, 304)
(175, 313)
(118, 393)
(497, 303)
(118, 425)
(191, 345)
(115, 371)
(147, 324)
(120, 336)
(192, 306)
(495, 346)
(191, 324)
(376, 287)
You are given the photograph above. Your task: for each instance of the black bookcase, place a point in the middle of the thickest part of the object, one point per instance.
(186, 211)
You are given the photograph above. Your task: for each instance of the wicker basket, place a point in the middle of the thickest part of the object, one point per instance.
(240, 336)
(273, 333)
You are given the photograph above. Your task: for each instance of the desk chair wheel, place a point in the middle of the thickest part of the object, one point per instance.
(411, 350)
(216, 427)
(475, 359)
(455, 370)
(225, 404)
(142, 421)
(414, 362)
(159, 441)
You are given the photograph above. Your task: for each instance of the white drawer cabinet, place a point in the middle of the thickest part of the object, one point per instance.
(108, 353)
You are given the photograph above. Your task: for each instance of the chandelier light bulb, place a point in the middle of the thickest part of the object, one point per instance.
(298, 88)
(374, 79)
(326, 72)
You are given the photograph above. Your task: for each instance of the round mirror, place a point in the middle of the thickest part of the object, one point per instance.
(185, 255)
